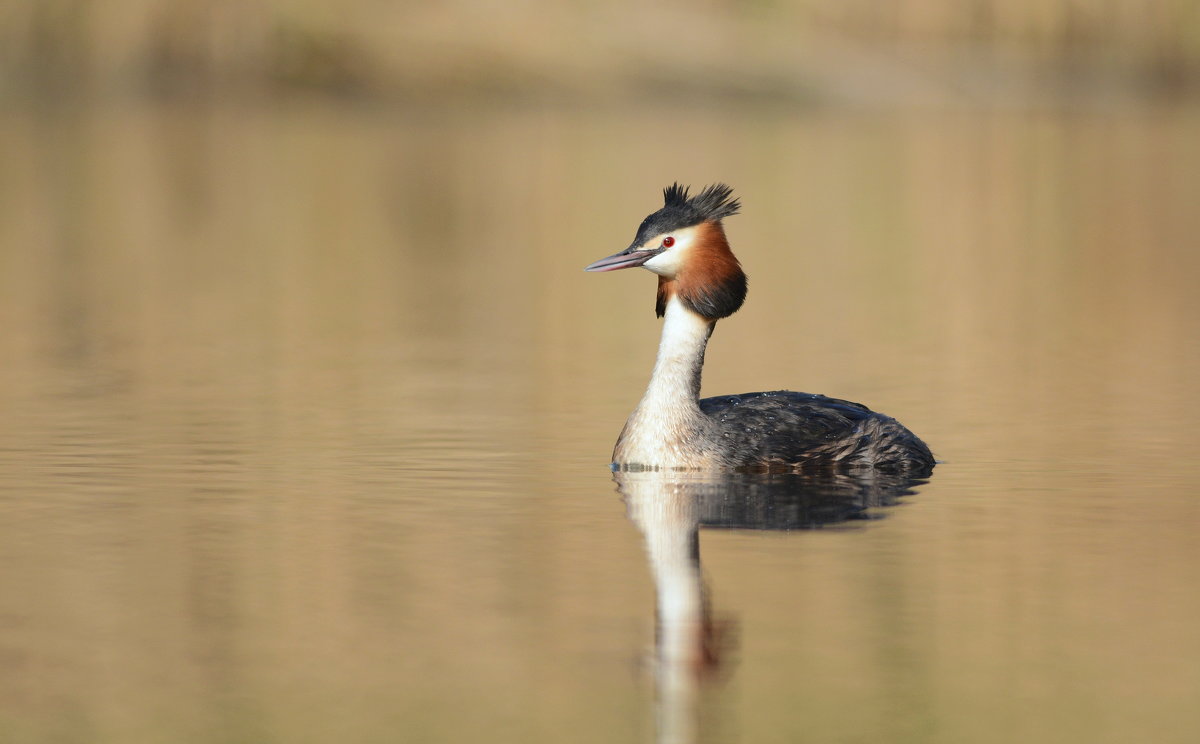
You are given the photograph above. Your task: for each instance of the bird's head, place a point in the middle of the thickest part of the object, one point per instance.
(684, 243)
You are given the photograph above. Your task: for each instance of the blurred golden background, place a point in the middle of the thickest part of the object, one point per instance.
(918, 51)
(307, 400)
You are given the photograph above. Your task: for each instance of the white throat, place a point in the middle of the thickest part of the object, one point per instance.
(663, 431)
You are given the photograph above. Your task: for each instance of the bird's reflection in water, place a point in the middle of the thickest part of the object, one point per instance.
(691, 645)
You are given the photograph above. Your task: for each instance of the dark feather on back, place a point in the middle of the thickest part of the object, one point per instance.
(787, 430)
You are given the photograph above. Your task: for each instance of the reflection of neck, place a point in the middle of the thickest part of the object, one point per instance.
(669, 522)
(668, 418)
(673, 545)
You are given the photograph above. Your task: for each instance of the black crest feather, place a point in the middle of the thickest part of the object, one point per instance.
(675, 195)
(680, 210)
(714, 202)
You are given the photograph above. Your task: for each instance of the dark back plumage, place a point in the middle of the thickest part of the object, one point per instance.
(795, 431)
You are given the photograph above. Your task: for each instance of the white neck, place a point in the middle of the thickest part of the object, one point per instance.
(662, 429)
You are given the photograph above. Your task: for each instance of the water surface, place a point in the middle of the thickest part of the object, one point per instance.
(307, 414)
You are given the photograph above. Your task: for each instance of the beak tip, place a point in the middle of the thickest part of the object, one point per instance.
(626, 259)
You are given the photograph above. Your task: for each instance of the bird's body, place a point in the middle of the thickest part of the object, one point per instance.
(700, 281)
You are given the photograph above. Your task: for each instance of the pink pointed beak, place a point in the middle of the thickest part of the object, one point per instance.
(626, 259)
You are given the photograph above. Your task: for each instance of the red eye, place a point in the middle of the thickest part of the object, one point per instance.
(668, 242)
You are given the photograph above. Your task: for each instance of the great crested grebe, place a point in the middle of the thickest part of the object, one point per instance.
(699, 282)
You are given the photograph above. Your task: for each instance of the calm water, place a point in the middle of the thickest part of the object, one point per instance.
(307, 414)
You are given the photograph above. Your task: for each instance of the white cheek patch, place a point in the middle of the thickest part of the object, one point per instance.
(672, 259)
(665, 263)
